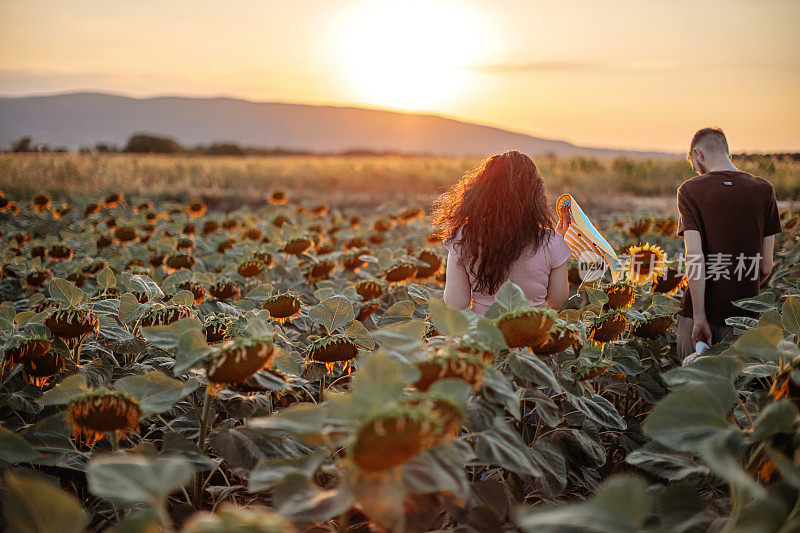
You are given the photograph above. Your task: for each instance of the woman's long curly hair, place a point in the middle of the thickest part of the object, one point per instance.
(502, 209)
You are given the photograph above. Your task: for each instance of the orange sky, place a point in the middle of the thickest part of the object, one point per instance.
(619, 73)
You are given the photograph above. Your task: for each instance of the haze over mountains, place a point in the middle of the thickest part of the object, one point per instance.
(84, 119)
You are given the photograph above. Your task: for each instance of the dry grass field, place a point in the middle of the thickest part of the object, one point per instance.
(356, 182)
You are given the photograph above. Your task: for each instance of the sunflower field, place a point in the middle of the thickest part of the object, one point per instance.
(166, 367)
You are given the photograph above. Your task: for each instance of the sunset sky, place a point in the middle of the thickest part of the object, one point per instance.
(617, 73)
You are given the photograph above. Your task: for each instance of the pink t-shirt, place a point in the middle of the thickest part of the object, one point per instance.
(531, 270)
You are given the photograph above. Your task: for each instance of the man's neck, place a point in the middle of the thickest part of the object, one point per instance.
(722, 166)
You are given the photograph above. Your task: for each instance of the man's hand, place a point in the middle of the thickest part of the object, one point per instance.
(701, 330)
(564, 219)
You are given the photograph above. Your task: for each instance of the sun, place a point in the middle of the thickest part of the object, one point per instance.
(411, 55)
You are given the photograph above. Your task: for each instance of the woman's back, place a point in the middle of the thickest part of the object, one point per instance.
(531, 270)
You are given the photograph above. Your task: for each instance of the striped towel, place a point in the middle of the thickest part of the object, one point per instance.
(583, 238)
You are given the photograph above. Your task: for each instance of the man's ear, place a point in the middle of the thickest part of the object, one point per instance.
(699, 154)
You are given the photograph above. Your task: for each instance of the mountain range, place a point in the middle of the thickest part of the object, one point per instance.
(74, 120)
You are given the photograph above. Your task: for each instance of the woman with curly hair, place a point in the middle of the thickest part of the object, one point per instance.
(497, 225)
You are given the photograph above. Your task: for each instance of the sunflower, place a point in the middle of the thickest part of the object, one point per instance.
(37, 278)
(332, 349)
(197, 290)
(354, 262)
(162, 315)
(620, 294)
(320, 271)
(391, 439)
(670, 282)
(591, 370)
(608, 327)
(210, 226)
(196, 209)
(433, 261)
(101, 411)
(41, 369)
(451, 364)
(59, 252)
(354, 243)
(113, 199)
(640, 227)
(249, 269)
(562, 336)
(125, 233)
(177, 260)
(225, 290)
(41, 203)
(297, 246)
(216, 328)
(25, 349)
(236, 361)
(278, 198)
(528, 327)
(71, 323)
(400, 272)
(654, 326)
(646, 263)
(283, 307)
(366, 310)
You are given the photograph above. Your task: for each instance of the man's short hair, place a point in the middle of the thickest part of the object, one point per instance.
(710, 139)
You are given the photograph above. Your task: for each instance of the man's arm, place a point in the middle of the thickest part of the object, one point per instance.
(697, 285)
(767, 260)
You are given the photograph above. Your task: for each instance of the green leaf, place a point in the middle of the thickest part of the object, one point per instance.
(191, 349)
(65, 390)
(127, 478)
(33, 504)
(447, 320)
(598, 410)
(403, 338)
(503, 446)
(333, 313)
(269, 473)
(400, 312)
(597, 297)
(762, 341)
(106, 279)
(356, 331)
(790, 315)
(527, 366)
(777, 417)
(621, 505)
(128, 307)
(510, 297)
(14, 448)
(142, 283)
(665, 463)
(378, 381)
(65, 292)
(182, 298)
(155, 391)
(691, 414)
(167, 337)
(760, 304)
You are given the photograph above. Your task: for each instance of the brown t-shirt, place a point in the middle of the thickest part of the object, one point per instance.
(733, 211)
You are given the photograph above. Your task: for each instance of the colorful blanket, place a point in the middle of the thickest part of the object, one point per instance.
(586, 243)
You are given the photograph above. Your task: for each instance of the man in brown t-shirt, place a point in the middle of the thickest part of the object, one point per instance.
(728, 220)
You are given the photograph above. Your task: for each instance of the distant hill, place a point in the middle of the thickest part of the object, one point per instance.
(84, 119)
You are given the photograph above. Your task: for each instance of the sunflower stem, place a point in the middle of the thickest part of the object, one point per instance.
(201, 445)
(322, 388)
